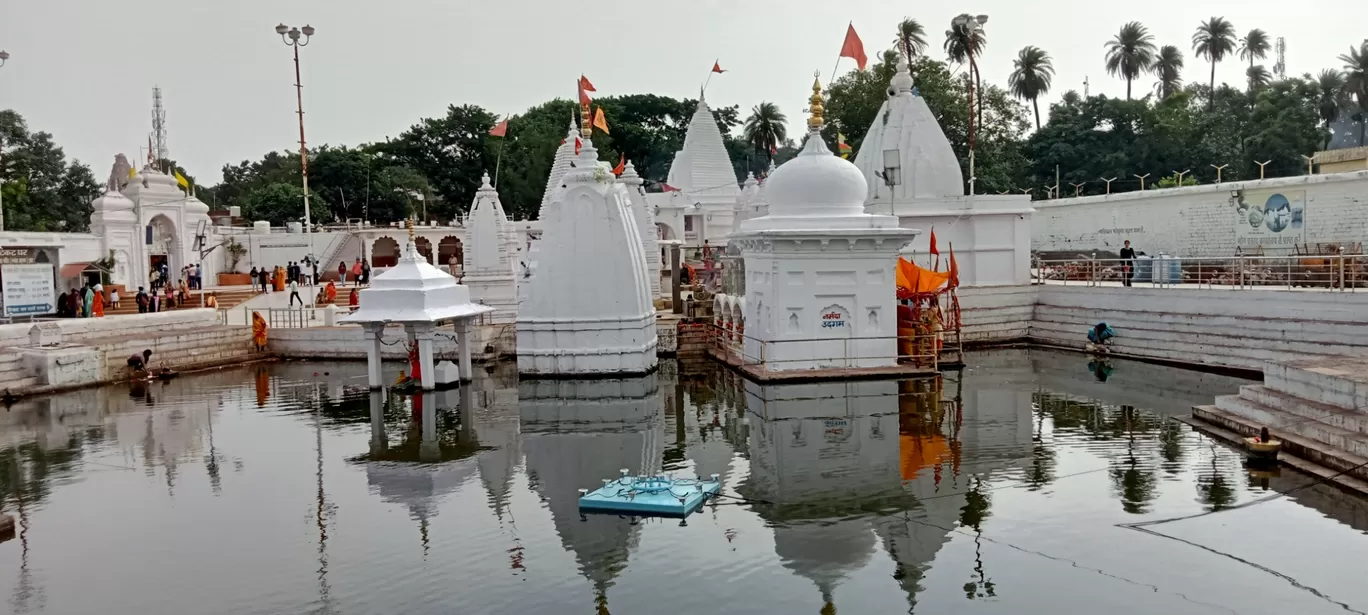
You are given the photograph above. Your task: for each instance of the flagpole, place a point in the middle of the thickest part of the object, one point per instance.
(832, 77)
(499, 162)
(709, 78)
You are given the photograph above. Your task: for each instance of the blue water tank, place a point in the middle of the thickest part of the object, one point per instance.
(1144, 268)
(1167, 270)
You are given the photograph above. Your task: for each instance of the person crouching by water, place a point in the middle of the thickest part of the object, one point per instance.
(259, 329)
(1099, 338)
(138, 363)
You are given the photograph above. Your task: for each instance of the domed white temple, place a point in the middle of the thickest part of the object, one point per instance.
(819, 288)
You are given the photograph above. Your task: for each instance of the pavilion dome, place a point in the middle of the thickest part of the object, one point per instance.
(196, 207)
(816, 183)
(112, 207)
(414, 291)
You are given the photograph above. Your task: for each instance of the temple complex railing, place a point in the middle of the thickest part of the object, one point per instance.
(1342, 273)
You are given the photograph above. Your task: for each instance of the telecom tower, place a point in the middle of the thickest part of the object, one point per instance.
(1280, 67)
(158, 127)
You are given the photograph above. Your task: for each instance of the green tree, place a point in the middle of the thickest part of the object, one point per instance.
(1356, 82)
(962, 45)
(765, 129)
(911, 39)
(451, 152)
(1031, 77)
(1168, 67)
(1330, 88)
(1130, 53)
(1214, 40)
(42, 190)
(1283, 126)
(1254, 46)
(1257, 77)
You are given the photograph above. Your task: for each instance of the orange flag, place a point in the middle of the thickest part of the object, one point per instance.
(500, 130)
(853, 48)
(578, 144)
(622, 165)
(934, 250)
(599, 121)
(954, 268)
(717, 68)
(584, 88)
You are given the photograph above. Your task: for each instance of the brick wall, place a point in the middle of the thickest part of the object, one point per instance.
(1197, 220)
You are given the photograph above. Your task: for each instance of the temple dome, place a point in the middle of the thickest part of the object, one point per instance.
(196, 207)
(110, 208)
(816, 183)
(702, 169)
(927, 166)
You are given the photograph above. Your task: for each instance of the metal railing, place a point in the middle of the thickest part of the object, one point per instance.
(1347, 272)
(279, 318)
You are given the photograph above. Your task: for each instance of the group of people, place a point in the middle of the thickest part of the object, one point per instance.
(192, 275)
(88, 301)
(360, 272)
(290, 276)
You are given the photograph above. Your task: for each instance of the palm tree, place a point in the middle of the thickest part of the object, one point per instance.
(765, 128)
(1330, 85)
(1356, 81)
(1254, 46)
(1032, 76)
(1130, 53)
(1214, 40)
(911, 39)
(1168, 67)
(962, 44)
(1258, 77)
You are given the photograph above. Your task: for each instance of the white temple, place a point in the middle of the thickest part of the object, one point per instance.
(492, 250)
(819, 288)
(705, 189)
(644, 214)
(421, 297)
(587, 309)
(991, 234)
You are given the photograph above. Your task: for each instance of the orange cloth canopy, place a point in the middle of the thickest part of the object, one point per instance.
(913, 280)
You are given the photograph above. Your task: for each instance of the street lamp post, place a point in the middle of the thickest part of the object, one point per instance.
(4, 55)
(969, 25)
(292, 37)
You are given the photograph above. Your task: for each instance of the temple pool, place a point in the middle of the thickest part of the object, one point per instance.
(289, 488)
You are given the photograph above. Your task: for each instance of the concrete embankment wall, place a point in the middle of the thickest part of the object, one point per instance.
(996, 314)
(1202, 221)
(1225, 328)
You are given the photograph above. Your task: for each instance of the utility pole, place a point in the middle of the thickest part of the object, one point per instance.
(291, 36)
(1218, 171)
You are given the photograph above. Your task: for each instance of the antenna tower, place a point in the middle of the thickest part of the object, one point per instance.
(1085, 87)
(1280, 67)
(158, 126)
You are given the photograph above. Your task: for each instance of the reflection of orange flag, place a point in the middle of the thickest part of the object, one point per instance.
(853, 48)
(954, 268)
(599, 121)
(622, 165)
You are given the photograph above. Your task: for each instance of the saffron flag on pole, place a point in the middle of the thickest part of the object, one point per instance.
(578, 144)
(599, 121)
(664, 187)
(717, 68)
(954, 268)
(584, 88)
(621, 166)
(934, 250)
(853, 47)
(843, 146)
(500, 130)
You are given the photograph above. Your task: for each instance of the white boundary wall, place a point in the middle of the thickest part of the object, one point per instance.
(1197, 221)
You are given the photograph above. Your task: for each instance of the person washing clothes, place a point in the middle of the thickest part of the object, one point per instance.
(1099, 338)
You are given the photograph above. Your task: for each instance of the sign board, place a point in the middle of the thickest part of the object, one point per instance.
(18, 256)
(29, 290)
(1270, 218)
(833, 318)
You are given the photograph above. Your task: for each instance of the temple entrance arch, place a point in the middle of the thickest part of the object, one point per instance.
(424, 247)
(384, 252)
(161, 246)
(448, 247)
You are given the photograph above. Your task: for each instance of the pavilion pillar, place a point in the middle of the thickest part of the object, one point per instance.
(463, 341)
(425, 333)
(374, 333)
(379, 442)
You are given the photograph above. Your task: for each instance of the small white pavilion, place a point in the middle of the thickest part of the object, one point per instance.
(422, 298)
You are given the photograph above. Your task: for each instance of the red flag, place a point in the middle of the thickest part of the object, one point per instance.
(500, 130)
(717, 68)
(853, 48)
(934, 250)
(622, 165)
(954, 268)
(664, 187)
(584, 88)
(578, 144)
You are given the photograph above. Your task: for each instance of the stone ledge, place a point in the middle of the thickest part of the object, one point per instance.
(1337, 462)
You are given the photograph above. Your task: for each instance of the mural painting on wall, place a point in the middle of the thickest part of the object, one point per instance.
(1270, 218)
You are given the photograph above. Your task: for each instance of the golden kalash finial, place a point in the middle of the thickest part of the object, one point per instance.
(410, 230)
(586, 124)
(815, 103)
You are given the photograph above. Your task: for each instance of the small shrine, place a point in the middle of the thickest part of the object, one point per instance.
(422, 298)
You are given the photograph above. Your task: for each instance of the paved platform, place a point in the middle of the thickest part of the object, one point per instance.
(793, 376)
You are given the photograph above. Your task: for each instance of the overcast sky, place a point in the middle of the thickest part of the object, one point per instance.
(84, 69)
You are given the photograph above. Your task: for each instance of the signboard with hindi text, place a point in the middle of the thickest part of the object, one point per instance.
(1272, 219)
(29, 290)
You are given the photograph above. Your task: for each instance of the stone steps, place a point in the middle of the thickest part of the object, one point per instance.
(1309, 440)
(1334, 416)
(1319, 382)
(226, 299)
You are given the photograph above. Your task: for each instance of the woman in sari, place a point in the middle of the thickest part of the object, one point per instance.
(280, 279)
(354, 300)
(183, 293)
(99, 302)
(259, 331)
(88, 302)
(330, 293)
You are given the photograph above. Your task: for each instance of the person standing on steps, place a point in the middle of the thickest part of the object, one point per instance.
(342, 272)
(294, 293)
(1128, 263)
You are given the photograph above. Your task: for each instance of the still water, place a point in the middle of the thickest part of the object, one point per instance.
(289, 488)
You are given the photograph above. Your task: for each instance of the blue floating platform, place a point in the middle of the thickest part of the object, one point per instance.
(659, 496)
